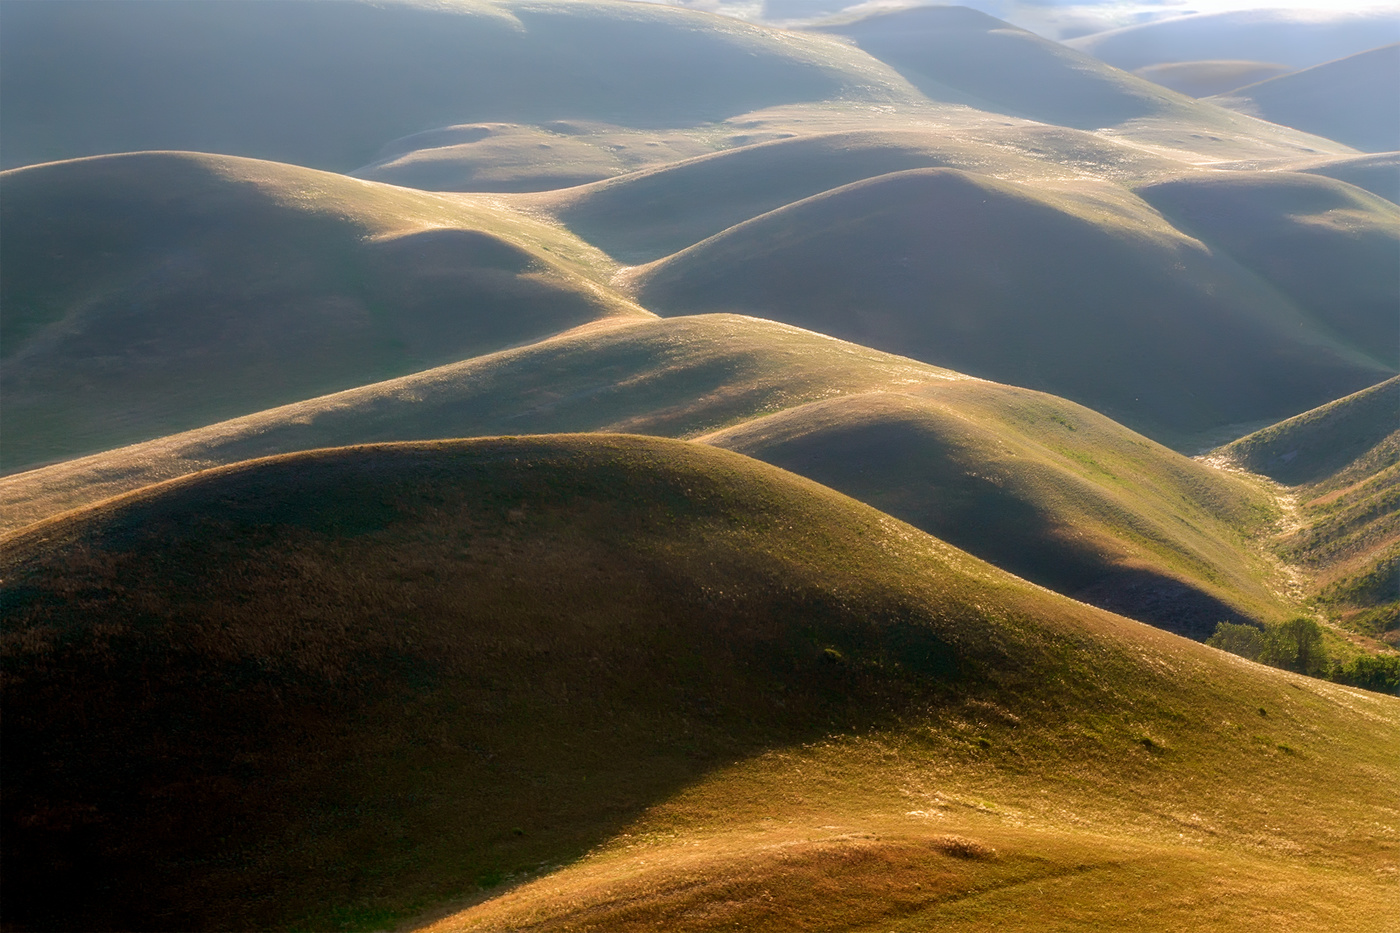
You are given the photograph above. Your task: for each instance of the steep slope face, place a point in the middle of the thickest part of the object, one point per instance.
(1203, 79)
(1045, 489)
(154, 292)
(322, 690)
(1333, 249)
(1081, 290)
(1298, 38)
(1343, 463)
(959, 55)
(1354, 100)
(326, 85)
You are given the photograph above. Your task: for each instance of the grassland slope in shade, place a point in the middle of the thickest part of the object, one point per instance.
(1354, 100)
(1080, 289)
(154, 292)
(323, 690)
(327, 84)
(1297, 38)
(1331, 248)
(1203, 79)
(1042, 488)
(960, 55)
(1342, 462)
(1378, 173)
(675, 377)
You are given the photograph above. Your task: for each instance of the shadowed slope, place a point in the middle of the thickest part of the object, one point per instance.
(317, 691)
(154, 292)
(1333, 249)
(1078, 289)
(1355, 100)
(1343, 462)
(327, 84)
(1044, 489)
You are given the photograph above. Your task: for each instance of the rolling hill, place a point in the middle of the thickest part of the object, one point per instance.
(150, 293)
(1354, 100)
(1378, 174)
(326, 85)
(1079, 289)
(1203, 79)
(1331, 248)
(1036, 485)
(648, 684)
(1299, 38)
(1342, 464)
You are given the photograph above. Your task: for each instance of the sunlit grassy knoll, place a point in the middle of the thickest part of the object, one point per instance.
(1029, 284)
(328, 690)
(92, 77)
(1341, 463)
(155, 292)
(1354, 100)
(1043, 488)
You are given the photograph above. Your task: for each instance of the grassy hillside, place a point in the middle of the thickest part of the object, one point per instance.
(320, 691)
(326, 85)
(1032, 483)
(1342, 462)
(960, 55)
(1044, 489)
(1202, 79)
(1378, 174)
(1333, 249)
(151, 293)
(1299, 38)
(1079, 289)
(1354, 100)
(678, 376)
(512, 157)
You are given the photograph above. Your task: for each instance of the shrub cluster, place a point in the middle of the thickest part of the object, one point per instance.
(1296, 645)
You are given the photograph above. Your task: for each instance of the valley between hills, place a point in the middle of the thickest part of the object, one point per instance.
(557, 465)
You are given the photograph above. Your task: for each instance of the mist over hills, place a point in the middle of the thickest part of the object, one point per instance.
(320, 613)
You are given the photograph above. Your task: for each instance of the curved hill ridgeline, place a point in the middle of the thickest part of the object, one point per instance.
(330, 689)
(1354, 100)
(1203, 79)
(1042, 488)
(649, 214)
(676, 377)
(1378, 173)
(1080, 289)
(1332, 248)
(963, 56)
(1298, 38)
(85, 78)
(154, 292)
